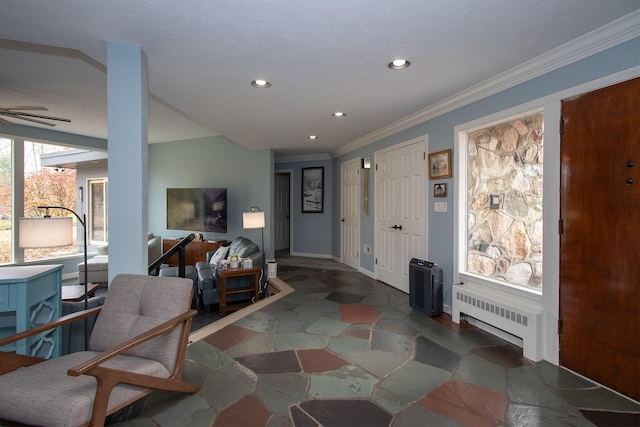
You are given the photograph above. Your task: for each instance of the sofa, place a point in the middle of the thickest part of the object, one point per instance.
(98, 266)
(207, 272)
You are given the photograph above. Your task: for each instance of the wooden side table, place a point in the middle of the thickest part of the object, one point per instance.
(254, 287)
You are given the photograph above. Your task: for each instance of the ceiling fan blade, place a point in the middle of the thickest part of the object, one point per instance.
(16, 116)
(23, 107)
(37, 116)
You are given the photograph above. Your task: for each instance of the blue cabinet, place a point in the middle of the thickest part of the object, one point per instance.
(30, 296)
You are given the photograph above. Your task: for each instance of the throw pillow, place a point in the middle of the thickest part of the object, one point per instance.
(219, 255)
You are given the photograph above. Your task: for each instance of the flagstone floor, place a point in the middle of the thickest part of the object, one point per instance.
(346, 350)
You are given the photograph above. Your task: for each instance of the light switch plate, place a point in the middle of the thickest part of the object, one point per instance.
(440, 207)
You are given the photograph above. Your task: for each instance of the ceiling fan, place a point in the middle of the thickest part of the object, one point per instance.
(14, 111)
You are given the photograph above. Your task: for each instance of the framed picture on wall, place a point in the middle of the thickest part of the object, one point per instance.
(312, 190)
(440, 164)
(440, 190)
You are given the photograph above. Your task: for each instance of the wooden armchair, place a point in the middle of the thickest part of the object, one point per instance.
(138, 344)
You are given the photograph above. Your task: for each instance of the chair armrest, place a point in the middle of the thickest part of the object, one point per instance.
(69, 318)
(159, 330)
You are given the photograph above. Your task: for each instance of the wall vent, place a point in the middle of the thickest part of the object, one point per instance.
(521, 320)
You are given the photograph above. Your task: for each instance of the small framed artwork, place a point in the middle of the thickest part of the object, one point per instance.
(312, 190)
(440, 190)
(440, 164)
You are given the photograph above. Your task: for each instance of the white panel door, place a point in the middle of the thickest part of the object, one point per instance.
(350, 217)
(401, 210)
(282, 210)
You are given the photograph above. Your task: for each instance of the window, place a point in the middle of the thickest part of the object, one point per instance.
(41, 185)
(98, 224)
(500, 220)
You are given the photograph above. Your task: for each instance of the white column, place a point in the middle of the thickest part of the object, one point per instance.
(127, 95)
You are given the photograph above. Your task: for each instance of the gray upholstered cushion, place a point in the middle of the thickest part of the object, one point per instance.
(133, 306)
(44, 395)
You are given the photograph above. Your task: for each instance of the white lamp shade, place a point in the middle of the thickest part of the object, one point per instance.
(253, 219)
(45, 232)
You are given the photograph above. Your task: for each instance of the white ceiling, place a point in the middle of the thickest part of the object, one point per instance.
(319, 56)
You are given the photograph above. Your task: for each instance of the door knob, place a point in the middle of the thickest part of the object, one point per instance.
(397, 227)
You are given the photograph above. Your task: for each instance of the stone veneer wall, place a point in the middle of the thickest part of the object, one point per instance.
(506, 243)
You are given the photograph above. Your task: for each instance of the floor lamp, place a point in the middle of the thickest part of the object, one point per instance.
(254, 219)
(51, 232)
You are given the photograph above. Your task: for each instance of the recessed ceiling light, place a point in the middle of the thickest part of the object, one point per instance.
(398, 64)
(260, 84)
(312, 137)
(339, 114)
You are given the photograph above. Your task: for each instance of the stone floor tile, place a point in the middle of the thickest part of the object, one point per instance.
(433, 354)
(279, 391)
(414, 380)
(392, 342)
(507, 355)
(227, 385)
(391, 313)
(229, 336)
(358, 313)
(344, 346)
(319, 360)
(361, 332)
(525, 386)
(302, 419)
(445, 320)
(290, 325)
(248, 411)
(308, 316)
(192, 411)
(321, 305)
(279, 420)
(560, 377)
(300, 341)
(261, 343)
(377, 299)
(259, 322)
(379, 363)
(469, 404)
(271, 363)
(599, 398)
(525, 415)
(419, 416)
(346, 413)
(344, 297)
(392, 403)
(397, 326)
(347, 382)
(327, 327)
(476, 370)
(207, 355)
(279, 306)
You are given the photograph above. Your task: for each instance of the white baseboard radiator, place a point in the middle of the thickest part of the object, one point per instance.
(516, 318)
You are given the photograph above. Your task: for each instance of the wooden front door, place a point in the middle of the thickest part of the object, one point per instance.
(600, 239)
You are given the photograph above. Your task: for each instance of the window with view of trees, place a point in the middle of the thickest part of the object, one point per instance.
(42, 186)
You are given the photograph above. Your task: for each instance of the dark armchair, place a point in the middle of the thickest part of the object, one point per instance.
(207, 274)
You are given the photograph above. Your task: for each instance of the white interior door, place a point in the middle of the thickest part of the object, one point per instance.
(401, 210)
(282, 210)
(350, 217)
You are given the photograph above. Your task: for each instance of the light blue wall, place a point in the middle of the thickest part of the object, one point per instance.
(441, 137)
(212, 162)
(311, 232)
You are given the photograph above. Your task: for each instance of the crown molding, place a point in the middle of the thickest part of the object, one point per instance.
(610, 35)
(302, 157)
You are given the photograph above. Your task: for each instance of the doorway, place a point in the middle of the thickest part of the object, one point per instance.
(600, 236)
(282, 212)
(350, 213)
(400, 210)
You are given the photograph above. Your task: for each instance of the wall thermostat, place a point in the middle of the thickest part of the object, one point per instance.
(494, 201)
